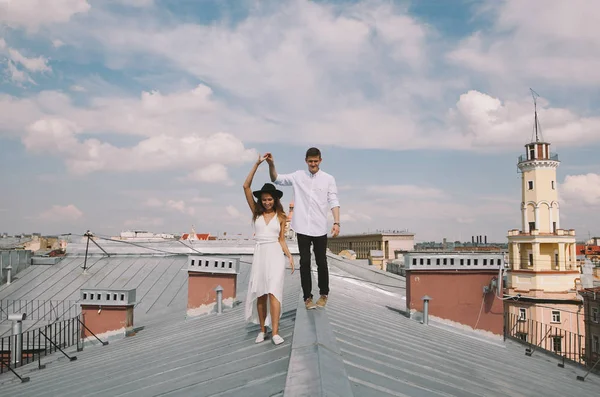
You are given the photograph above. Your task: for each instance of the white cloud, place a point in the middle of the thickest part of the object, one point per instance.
(333, 97)
(144, 222)
(350, 215)
(17, 76)
(395, 192)
(177, 133)
(57, 43)
(559, 44)
(15, 58)
(152, 202)
(34, 64)
(133, 3)
(235, 214)
(62, 213)
(171, 205)
(484, 122)
(77, 88)
(581, 190)
(201, 200)
(213, 173)
(33, 14)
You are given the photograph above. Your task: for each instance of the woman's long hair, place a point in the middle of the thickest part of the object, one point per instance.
(259, 209)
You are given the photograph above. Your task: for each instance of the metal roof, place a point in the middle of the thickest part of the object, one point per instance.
(388, 354)
(361, 344)
(160, 278)
(202, 356)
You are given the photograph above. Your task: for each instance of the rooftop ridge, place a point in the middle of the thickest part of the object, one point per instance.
(316, 366)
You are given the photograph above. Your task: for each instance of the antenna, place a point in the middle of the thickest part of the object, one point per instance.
(537, 129)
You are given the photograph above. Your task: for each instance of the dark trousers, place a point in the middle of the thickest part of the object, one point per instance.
(320, 249)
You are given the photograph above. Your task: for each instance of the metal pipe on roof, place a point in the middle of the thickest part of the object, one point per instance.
(8, 275)
(426, 309)
(17, 319)
(219, 290)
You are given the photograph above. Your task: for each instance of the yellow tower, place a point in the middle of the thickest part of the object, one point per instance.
(542, 257)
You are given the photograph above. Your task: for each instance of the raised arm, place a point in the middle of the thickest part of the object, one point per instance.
(248, 183)
(278, 179)
(272, 170)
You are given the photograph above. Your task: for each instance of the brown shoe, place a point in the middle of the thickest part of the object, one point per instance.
(322, 301)
(309, 304)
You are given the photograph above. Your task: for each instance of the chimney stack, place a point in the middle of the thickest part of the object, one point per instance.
(485, 239)
(107, 310)
(205, 274)
(472, 239)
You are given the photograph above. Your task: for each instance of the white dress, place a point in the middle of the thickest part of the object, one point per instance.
(268, 268)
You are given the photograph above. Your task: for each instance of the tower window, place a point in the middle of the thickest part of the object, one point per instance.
(555, 316)
(522, 314)
(530, 185)
(553, 188)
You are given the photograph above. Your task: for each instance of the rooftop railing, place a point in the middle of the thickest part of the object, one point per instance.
(565, 345)
(37, 311)
(523, 158)
(30, 346)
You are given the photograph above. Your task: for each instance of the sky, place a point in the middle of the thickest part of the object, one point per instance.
(148, 114)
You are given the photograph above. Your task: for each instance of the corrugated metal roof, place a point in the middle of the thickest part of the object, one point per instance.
(166, 247)
(383, 353)
(207, 355)
(160, 279)
(388, 354)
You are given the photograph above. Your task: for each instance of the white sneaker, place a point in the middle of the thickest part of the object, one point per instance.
(278, 340)
(260, 337)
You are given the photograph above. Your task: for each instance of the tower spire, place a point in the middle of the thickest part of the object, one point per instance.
(537, 129)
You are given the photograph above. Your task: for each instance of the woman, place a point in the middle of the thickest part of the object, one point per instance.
(268, 263)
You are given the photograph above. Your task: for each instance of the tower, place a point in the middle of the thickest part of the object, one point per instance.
(543, 270)
(289, 233)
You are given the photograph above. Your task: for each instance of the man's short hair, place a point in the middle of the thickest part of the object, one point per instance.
(313, 152)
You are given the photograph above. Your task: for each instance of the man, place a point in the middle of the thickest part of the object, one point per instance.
(314, 193)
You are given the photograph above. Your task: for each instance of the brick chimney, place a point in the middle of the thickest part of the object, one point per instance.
(107, 310)
(205, 274)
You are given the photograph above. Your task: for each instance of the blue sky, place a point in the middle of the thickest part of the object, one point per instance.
(147, 114)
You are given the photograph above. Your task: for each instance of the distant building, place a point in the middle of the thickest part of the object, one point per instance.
(542, 256)
(192, 236)
(33, 242)
(143, 235)
(362, 244)
(474, 245)
(592, 252)
(591, 299)
(376, 258)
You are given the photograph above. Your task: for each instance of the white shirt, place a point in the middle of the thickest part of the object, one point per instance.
(314, 195)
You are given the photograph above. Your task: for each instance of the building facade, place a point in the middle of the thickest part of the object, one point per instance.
(362, 244)
(591, 299)
(543, 269)
(463, 287)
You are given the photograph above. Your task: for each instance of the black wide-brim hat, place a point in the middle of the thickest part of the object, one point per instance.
(268, 188)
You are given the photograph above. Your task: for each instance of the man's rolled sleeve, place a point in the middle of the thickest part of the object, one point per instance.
(284, 179)
(332, 195)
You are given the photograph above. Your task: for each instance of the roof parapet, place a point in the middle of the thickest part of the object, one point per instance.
(213, 264)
